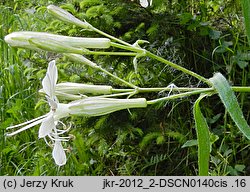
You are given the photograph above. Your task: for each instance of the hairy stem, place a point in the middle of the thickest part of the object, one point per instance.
(180, 68)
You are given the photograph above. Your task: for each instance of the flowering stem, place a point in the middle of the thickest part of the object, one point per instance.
(115, 95)
(180, 95)
(178, 89)
(110, 53)
(177, 67)
(192, 91)
(85, 61)
(107, 35)
(125, 47)
(130, 47)
(118, 78)
(121, 90)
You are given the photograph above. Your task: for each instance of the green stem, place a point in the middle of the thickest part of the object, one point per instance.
(130, 47)
(110, 53)
(177, 67)
(240, 89)
(115, 95)
(179, 89)
(122, 90)
(126, 47)
(180, 95)
(118, 78)
(108, 36)
(194, 91)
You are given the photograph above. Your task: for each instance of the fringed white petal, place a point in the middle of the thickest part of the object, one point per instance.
(53, 73)
(47, 126)
(49, 81)
(27, 122)
(58, 154)
(52, 103)
(26, 127)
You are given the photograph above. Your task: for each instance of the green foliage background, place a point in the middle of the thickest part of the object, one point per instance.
(205, 36)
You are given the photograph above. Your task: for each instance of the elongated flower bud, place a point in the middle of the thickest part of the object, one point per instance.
(93, 106)
(54, 46)
(78, 88)
(71, 91)
(66, 16)
(81, 59)
(24, 40)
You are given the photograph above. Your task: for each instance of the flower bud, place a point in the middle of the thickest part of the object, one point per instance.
(76, 91)
(94, 106)
(66, 16)
(54, 46)
(27, 39)
(78, 88)
(81, 59)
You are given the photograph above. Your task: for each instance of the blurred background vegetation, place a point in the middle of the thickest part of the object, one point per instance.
(205, 36)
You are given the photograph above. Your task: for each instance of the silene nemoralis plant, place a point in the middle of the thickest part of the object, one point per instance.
(107, 99)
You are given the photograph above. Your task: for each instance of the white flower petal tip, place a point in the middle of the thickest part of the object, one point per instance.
(146, 3)
(26, 125)
(50, 79)
(58, 154)
(47, 126)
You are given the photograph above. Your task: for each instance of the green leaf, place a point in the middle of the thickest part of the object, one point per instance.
(240, 168)
(149, 138)
(246, 12)
(203, 138)
(190, 143)
(230, 102)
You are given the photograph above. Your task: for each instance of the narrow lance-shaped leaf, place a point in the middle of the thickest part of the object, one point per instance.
(230, 102)
(246, 12)
(203, 138)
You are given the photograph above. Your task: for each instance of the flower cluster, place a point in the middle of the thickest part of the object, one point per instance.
(102, 100)
(87, 106)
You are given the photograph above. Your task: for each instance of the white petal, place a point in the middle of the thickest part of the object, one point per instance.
(49, 81)
(58, 154)
(53, 72)
(144, 3)
(52, 103)
(46, 85)
(47, 125)
(27, 122)
(26, 127)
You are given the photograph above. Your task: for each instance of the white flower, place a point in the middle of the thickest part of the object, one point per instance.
(53, 42)
(50, 120)
(89, 106)
(146, 3)
(57, 110)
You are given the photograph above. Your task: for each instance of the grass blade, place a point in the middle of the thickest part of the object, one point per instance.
(203, 138)
(246, 12)
(230, 102)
